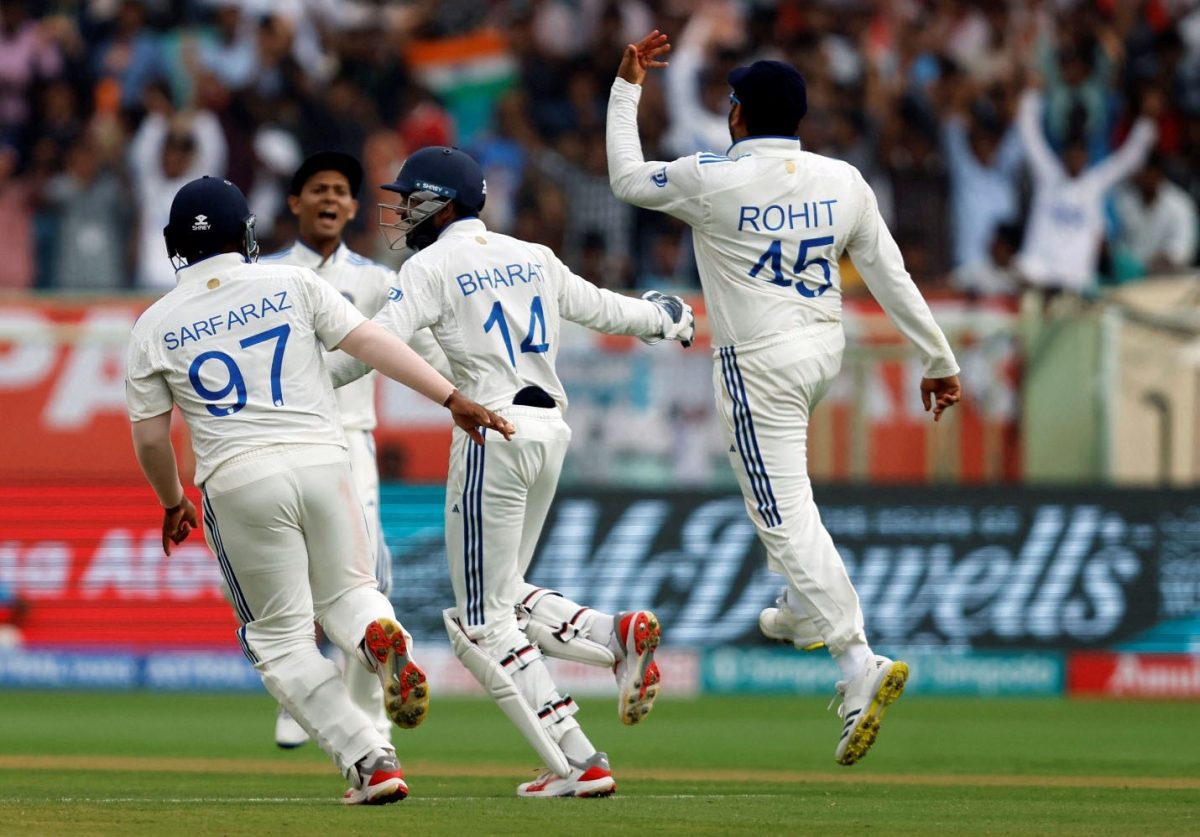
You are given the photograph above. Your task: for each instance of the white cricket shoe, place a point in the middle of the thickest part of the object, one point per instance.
(864, 700)
(288, 732)
(638, 635)
(783, 624)
(377, 780)
(586, 779)
(405, 690)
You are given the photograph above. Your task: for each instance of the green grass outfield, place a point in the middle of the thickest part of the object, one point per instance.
(134, 763)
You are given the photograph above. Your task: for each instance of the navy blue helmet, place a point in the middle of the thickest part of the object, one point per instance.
(429, 180)
(209, 216)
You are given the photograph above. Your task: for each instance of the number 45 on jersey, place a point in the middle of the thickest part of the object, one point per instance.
(772, 258)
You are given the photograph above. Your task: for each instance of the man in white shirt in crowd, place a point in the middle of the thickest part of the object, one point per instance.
(237, 346)
(1157, 222)
(495, 304)
(1065, 227)
(769, 223)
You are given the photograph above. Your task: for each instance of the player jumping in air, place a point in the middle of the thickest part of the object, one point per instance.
(769, 223)
(495, 304)
(238, 347)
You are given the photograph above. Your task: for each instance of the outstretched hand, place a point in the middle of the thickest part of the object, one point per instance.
(940, 394)
(178, 522)
(471, 416)
(643, 55)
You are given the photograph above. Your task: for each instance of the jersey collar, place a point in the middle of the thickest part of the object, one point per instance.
(463, 226)
(764, 147)
(205, 268)
(305, 256)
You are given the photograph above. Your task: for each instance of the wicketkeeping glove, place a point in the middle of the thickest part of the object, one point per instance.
(679, 323)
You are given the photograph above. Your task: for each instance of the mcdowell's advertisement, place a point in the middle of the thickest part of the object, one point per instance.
(965, 568)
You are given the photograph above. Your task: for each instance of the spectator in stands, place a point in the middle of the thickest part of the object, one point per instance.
(983, 157)
(93, 214)
(1157, 222)
(1066, 223)
(13, 609)
(133, 56)
(169, 149)
(27, 53)
(995, 274)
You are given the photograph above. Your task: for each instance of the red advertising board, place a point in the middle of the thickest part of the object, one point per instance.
(1100, 674)
(87, 562)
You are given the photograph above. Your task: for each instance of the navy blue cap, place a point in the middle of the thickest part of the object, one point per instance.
(771, 87)
(328, 161)
(208, 214)
(446, 172)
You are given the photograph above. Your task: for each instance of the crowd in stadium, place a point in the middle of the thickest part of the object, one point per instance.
(992, 132)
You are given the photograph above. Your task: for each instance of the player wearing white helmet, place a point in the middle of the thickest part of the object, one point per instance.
(237, 346)
(494, 304)
(323, 199)
(769, 223)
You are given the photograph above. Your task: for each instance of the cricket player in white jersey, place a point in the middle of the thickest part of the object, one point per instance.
(323, 199)
(494, 304)
(769, 223)
(238, 347)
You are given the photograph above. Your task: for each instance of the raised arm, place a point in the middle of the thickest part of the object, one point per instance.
(674, 188)
(1128, 158)
(1042, 160)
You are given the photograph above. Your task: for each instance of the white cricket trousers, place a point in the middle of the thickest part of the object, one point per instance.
(287, 528)
(765, 392)
(497, 499)
(363, 685)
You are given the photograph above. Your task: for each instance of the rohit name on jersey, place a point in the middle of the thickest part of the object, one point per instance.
(775, 217)
(497, 277)
(217, 323)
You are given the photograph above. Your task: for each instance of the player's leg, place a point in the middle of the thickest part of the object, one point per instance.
(764, 399)
(363, 684)
(486, 505)
(568, 630)
(356, 617)
(255, 531)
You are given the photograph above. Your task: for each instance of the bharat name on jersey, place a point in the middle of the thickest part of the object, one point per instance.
(770, 222)
(495, 304)
(238, 347)
(365, 284)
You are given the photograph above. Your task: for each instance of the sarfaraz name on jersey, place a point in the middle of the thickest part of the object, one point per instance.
(239, 316)
(497, 277)
(775, 217)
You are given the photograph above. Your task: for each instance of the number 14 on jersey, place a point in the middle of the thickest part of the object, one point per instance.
(537, 327)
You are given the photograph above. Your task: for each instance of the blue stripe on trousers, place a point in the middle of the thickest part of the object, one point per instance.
(773, 506)
(748, 441)
(479, 543)
(473, 534)
(240, 605)
(245, 643)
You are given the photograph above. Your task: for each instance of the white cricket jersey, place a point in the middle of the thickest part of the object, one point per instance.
(494, 303)
(1066, 221)
(770, 222)
(239, 348)
(365, 283)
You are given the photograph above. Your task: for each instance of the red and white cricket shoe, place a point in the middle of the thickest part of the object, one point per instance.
(405, 689)
(377, 781)
(638, 634)
(586, 779)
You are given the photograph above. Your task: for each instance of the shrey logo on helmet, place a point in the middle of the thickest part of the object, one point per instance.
(201, 223)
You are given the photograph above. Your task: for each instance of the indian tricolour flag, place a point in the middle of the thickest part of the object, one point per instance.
(469, 73)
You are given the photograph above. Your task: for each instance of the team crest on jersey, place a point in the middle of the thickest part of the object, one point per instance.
(395, 294)
(659, 178)
(201, 223)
